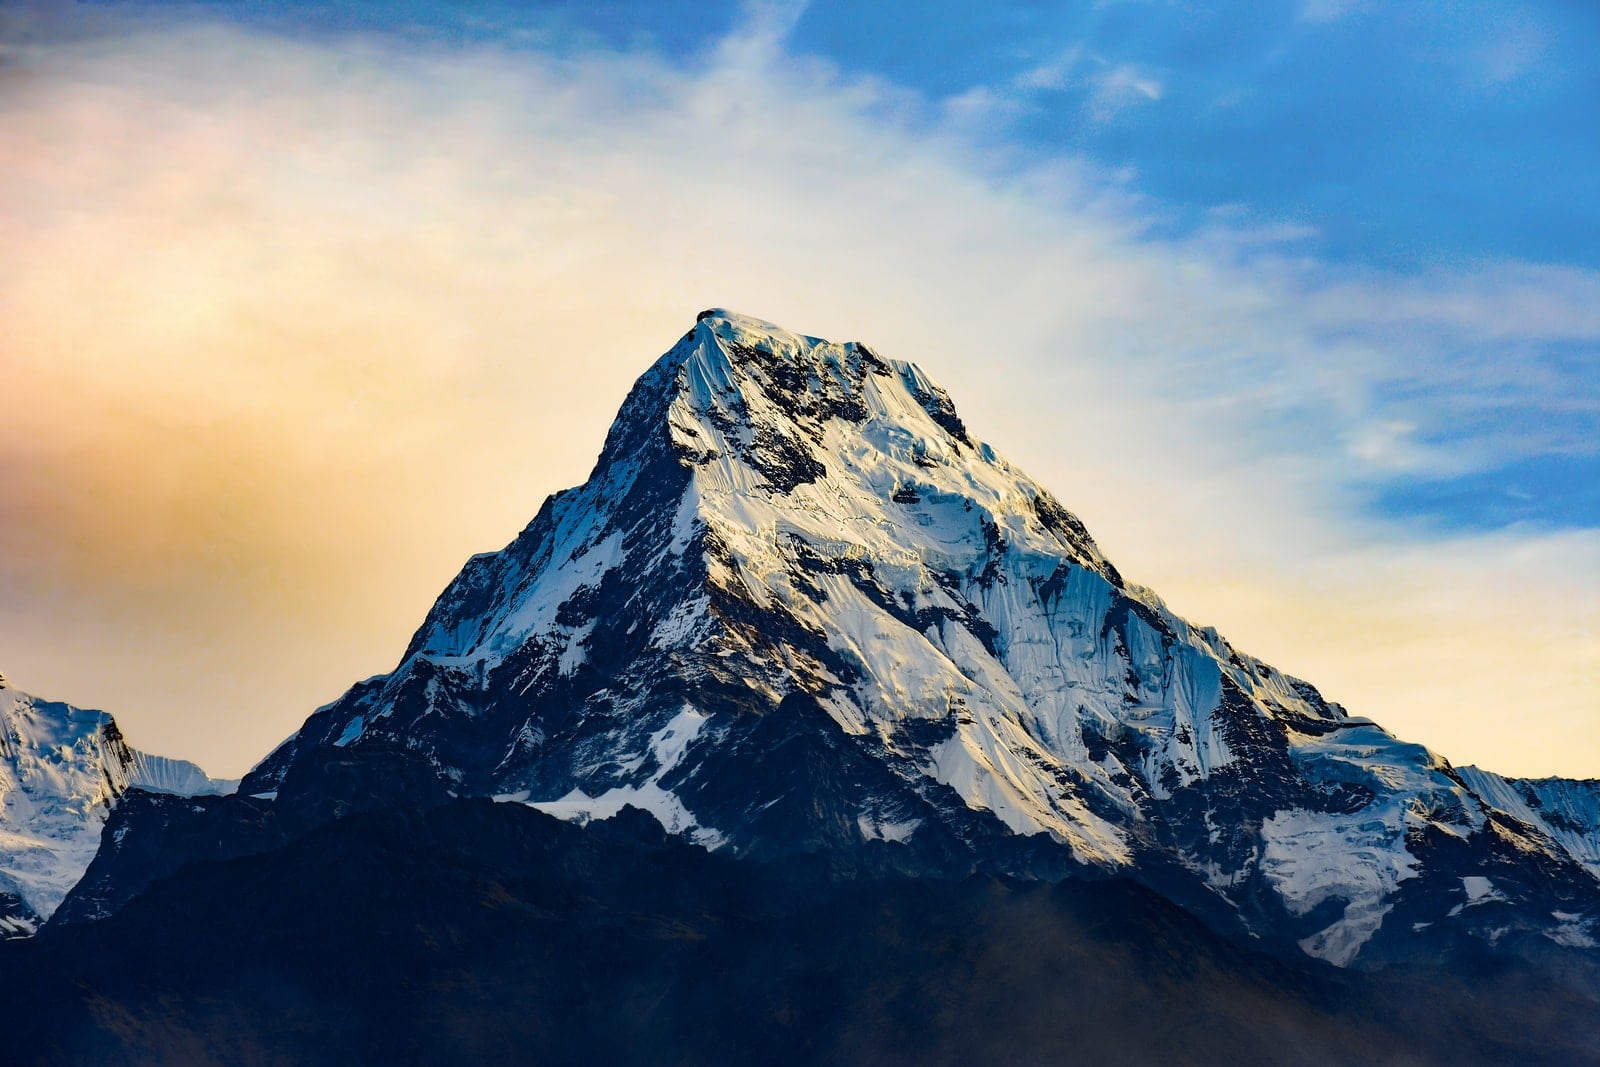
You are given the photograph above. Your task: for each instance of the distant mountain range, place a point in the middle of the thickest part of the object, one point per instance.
(808, 622)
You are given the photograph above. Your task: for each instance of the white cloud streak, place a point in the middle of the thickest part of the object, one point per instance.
(1323, 11)
(358, 306)
(1110, 87)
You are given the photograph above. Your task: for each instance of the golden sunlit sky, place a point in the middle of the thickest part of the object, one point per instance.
(295, 316)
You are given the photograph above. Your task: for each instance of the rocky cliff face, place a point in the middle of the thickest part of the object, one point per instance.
(799, 607)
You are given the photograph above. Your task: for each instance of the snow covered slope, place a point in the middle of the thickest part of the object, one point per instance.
(798, 606)
(61, 771)
(1567, 811)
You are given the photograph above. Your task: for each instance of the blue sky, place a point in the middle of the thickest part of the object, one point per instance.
(1397, 136)
(1404, 134)
(1380, 140)
(1296, 304)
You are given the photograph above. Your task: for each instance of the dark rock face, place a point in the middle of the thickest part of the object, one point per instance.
(152, 836)
(798, 610)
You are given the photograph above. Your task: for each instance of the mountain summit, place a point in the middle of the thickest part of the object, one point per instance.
(799, 608)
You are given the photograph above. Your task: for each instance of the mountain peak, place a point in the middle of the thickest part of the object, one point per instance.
(808, 376)
(797, 606)
(750, 332)
(737, 325)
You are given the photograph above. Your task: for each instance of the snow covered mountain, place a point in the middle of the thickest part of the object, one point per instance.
(797, 607)
(62, 770)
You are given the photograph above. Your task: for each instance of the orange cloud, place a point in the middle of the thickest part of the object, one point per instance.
(289, 329)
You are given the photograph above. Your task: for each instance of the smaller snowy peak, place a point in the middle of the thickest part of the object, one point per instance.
(62, 769)
(1563, 809)
(163, 774)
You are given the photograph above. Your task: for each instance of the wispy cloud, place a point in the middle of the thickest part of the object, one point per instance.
(299, 325)
(1057, 73)
(1119, 87)
(1514, 48)
(1107, 87)
(1328, 10)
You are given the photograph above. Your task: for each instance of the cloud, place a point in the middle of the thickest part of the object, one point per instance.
(1107, 87)
(301, 324)
(1515, 47)
(1121, 86)
(1328, 10)
(1492, 302)
(1059, 73)
(980, 106)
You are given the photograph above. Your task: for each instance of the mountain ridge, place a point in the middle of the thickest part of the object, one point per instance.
(472, 932)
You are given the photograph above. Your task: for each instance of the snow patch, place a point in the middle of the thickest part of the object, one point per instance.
(537, 606)
(16, 926)
(1571, 935)
(668, 746)
(1310, 857)
(352, 730)
(875, 829)
(683, 620)
(573, 656)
